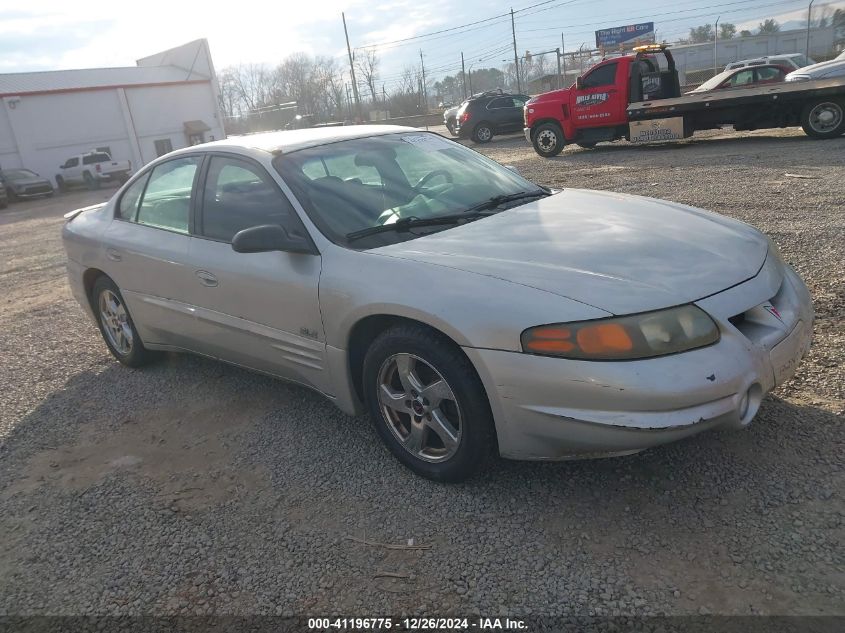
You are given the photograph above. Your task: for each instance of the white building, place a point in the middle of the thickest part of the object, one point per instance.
(169, 100)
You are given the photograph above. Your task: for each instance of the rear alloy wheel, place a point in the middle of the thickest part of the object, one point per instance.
(548, 140)
(116, 325)
(482, 133)
(427, 403)
(823, 119)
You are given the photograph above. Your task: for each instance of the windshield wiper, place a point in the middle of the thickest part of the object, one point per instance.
(495, 201)
(406, 224)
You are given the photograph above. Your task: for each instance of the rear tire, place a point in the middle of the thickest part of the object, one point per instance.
(427, 403)
(548, 140)
(482, 133)
(116, 325)
(823, 119)
(90, 182)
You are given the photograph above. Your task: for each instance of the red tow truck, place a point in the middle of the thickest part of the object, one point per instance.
(637, 97)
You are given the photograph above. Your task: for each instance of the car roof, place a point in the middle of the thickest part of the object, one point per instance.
(287, 141)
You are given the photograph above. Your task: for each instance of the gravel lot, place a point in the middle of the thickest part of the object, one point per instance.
(194, 487)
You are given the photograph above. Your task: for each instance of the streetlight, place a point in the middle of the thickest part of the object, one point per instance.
(809, 15)
(469, 74)
(715, 43)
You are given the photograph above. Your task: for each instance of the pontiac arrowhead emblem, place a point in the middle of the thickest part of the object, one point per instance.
(773, 311)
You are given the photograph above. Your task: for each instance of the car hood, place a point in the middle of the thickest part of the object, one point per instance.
(620, 253)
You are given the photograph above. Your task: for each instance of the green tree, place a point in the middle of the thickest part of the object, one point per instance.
(727, 31)
(770, 25)
(745, 33)
(699, 34)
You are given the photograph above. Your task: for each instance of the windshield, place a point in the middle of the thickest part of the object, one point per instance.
(710, 84)
(19, 174)
(358, 184)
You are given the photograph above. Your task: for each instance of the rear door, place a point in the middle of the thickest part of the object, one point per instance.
(768, 75)
(258, 310)
(600, 102)
(146, 248)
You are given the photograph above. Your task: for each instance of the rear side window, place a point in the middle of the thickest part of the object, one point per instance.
(602, 76)
(166, 202)
(239, 195)
(90, 159)
(128, 205)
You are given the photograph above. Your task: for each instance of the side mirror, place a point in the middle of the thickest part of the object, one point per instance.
(271, 237)
(579, 83)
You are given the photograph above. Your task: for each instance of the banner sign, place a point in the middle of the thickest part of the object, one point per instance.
(606, 38)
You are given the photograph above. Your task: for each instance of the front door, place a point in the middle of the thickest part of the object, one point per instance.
(599, 102)
(258, 310)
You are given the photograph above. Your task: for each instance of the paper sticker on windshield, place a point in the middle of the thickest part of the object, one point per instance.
(427, 142)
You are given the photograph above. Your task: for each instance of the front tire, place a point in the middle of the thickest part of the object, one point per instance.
(427, 403)
(548, 140)
(60, 183)
(116, 325)
(823, 119)
(482, 133)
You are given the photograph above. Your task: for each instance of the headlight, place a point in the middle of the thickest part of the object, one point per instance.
(643, 335)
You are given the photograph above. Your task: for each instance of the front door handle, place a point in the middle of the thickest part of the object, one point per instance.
(113, 254)
(206, 278)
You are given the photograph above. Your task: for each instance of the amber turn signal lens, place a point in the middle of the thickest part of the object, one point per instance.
(604, 338)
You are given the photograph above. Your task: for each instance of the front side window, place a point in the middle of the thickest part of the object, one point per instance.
(601, 76)
(128, 205)
(769, 74)
(72, 162)
(420, 176)
(239, 195)
(166, 202)
(742, 78)
(501, 102)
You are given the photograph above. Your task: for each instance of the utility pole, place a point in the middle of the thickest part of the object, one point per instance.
(715, 43)
(424, 91)
(464, 74)
(515, 55)
(559, 76)
(809, 15)
(351, 67)
(563, 55)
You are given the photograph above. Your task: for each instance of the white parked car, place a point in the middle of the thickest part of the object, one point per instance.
(465, 308)
(91, 169)
(822, 70)
(789, 60)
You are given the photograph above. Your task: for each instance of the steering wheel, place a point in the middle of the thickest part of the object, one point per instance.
(433, 174)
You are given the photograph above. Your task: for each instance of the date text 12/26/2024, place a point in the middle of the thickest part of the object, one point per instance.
(416, 624)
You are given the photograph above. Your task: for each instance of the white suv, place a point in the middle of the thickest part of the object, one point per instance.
(790, 60)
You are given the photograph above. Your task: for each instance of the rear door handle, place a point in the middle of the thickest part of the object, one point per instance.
(206, 278)
(113, 254)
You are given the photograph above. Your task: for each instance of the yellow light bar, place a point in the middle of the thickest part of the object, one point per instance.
(649, 48)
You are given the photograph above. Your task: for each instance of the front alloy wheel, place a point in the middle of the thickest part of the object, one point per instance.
(419, 407)
(427, 403)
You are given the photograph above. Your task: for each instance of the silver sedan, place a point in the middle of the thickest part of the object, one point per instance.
(467, 310)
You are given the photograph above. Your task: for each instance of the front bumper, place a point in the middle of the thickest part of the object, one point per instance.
(550, 408)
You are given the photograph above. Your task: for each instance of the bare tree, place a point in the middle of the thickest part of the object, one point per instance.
(367, 63)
